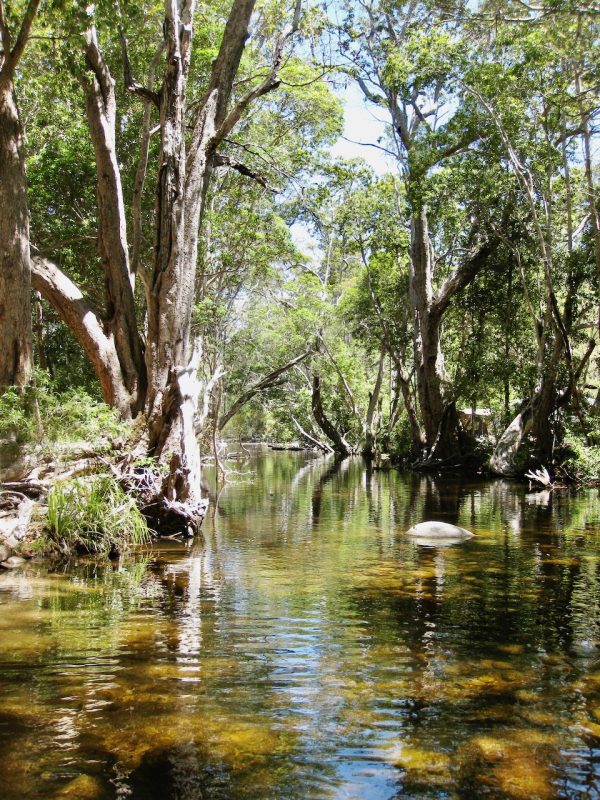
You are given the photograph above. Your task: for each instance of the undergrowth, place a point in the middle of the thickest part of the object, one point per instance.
(581, 463)
(95, 516)
(41, 416)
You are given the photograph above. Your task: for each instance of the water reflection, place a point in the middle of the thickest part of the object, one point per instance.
(309, 649)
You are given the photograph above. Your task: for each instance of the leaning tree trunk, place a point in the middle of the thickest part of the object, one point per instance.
(15, 278)
(340, 445)
(529, 439)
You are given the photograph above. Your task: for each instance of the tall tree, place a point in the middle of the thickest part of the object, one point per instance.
(408, 58)
(157, 373)
(15, 275)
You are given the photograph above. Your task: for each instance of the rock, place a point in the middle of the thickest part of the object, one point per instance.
(12, 562)
(83, 787)
(5, 552)
(14, 526)
(434, 533)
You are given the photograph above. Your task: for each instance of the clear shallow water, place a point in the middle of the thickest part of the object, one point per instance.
(309, 649)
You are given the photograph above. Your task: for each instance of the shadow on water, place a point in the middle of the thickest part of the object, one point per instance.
(305, 647)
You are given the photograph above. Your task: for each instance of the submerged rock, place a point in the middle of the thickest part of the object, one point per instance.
(439, 533)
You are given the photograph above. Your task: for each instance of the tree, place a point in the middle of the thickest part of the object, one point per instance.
(408, 59)
(157, 374)
(15, 277)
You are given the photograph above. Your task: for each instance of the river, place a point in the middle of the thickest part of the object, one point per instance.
(306, 648)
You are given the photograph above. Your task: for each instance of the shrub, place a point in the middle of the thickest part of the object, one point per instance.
(40, 415)
(581, 462)
(93, 515)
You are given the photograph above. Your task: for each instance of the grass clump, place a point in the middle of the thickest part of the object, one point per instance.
(94, 516)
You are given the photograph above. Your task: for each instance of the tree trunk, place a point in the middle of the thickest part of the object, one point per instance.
(340, 445)
(121, 319)
(440, 422)
(15, 279)
(429, 362)
(373, 415)
(84, 322)
(183, 179)
(529, 439)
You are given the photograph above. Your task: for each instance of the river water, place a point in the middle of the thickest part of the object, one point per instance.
(308, 649)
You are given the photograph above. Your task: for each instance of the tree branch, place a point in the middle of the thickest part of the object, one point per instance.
(220, 160)
(264, 383)
(12, 57)
(323, 446)
(145, 92)
(269, 83)
(353, 404)
(85, 323)
(23, 34)
(461, 277)
(4, 35)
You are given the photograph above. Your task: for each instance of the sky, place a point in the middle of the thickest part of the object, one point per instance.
(364, 125)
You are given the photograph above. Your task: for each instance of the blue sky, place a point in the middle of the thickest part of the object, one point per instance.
(365, 124)
(362, 123)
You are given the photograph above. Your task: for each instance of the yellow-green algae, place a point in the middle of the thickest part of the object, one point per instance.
(308, 650)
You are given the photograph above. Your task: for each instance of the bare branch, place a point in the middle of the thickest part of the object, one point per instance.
(326, 448)
(377, 99)
(225, 161)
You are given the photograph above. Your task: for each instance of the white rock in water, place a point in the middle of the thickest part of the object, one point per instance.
(439, 531)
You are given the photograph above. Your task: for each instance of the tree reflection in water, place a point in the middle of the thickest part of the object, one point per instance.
(306, 648)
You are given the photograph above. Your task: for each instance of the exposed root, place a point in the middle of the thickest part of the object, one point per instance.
(153, 492)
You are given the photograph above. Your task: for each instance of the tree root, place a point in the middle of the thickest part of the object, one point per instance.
(166, 517)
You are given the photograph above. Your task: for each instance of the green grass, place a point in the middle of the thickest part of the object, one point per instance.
(93, 515)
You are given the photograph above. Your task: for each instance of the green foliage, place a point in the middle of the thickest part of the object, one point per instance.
(41, 416)
(582, 462)
(95, 516)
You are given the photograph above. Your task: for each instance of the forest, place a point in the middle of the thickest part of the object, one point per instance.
(179, 243)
